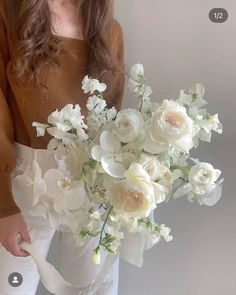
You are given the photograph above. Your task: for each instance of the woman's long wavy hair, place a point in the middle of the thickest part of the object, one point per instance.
(33, 42)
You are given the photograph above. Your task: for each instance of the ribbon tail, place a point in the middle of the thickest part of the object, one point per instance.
(55, 283)
(50, 277)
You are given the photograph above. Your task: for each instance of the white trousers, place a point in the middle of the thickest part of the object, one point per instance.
(75, 263)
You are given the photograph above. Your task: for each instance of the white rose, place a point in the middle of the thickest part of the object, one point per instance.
(170, 124)
(90, 85)
(202, 177)
(151, 165)
(133, 197)
(128, 125)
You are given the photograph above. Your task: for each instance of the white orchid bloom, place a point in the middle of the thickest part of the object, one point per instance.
(55, 195)
(107, 152)
(64, 193)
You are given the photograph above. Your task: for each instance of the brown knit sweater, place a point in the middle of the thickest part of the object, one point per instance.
(21, 103)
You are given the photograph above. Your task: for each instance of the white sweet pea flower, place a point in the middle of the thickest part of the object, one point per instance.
(165, 233)
(95, 215)
(170, 124)
(111, 114)
(137, 72)
(66, 120)
(133, 197)
(142, 90)
(92, 102)
(90, 85)
(96, 255)
(117, 235)
(40, 128)
(194, 98)
(96, 103)
(129, 125)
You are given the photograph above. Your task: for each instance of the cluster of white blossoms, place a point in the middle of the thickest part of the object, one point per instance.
(121, 165)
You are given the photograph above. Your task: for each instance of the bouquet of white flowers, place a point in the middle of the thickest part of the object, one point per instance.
(115, 169)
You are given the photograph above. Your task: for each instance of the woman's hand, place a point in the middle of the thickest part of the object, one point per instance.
(10, 226)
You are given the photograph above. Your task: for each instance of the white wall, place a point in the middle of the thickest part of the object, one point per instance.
(179, 46)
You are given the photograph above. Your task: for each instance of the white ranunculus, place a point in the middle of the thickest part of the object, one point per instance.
(203, 185)
(151, 165)
(128, 125)
(134, 196)
(170, 124)
(90, 85)
(202, 177)
(137, 71)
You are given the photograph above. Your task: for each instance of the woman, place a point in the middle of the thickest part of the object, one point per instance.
(46, 48)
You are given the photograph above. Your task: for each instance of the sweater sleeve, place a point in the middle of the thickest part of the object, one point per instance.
(116, 94)
(7, 148)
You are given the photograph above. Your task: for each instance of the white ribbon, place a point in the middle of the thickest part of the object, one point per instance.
(55, 283)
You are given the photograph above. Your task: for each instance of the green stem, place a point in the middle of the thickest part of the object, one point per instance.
(185, 170)
(105, 221)
(183, 179)
(141, 105)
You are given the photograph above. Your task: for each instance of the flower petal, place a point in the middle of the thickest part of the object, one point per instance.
(211, 198)
(113, 168)
(51, 177)
(109, 142)
(182, 190)
(152, 146)
(97, 153)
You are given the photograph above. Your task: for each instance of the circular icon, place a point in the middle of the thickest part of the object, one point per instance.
(218, 15)
(15, 279)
